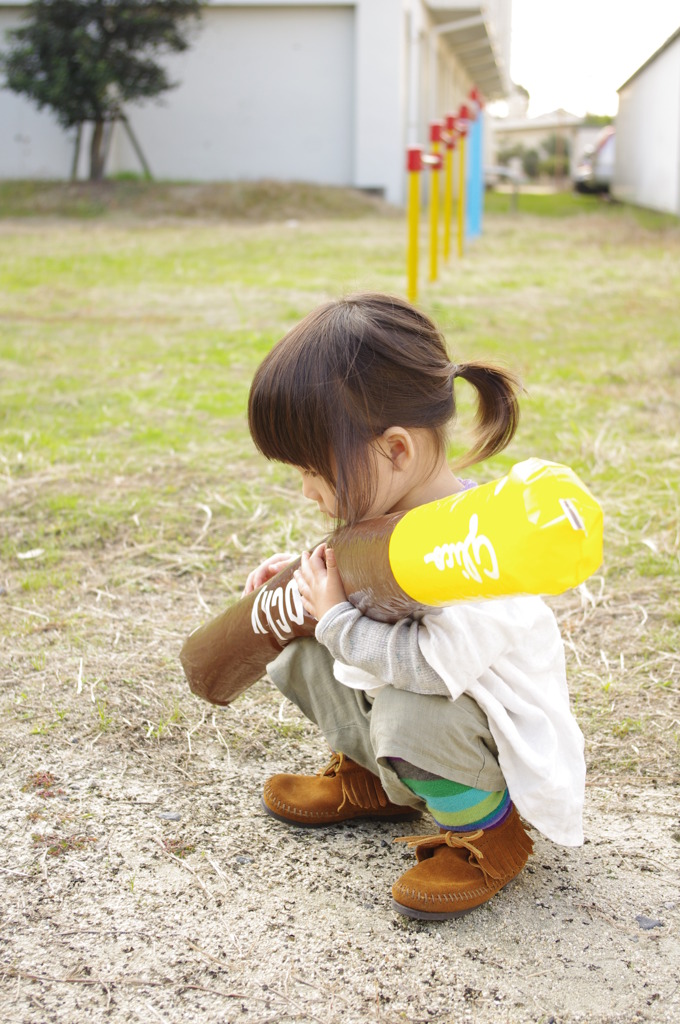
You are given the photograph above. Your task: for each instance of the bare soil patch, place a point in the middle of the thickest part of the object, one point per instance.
(141, 879)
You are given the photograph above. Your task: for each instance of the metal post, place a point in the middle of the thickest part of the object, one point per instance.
(475, 190)
(414, 166)
(435, 166)
(462, 126)
(450, 142)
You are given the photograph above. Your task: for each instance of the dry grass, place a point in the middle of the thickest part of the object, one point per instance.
(236, 201)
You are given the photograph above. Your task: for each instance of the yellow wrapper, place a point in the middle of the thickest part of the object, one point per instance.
(537, 530)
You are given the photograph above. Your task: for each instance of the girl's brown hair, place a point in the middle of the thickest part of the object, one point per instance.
(351, 369)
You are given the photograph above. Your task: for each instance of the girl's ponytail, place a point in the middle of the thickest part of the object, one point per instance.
(497, 416)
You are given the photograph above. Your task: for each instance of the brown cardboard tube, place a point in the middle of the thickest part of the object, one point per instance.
(224, 657)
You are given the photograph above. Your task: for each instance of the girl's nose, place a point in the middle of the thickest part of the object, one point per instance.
(309, 491)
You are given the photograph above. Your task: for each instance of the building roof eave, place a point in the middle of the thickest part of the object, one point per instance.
(466, 28)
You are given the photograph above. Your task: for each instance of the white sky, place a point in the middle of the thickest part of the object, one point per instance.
(575, 54)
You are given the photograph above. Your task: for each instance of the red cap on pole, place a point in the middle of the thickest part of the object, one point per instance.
(436, 131)
(475, 104)
(414, 158)
(463, 120)
(451, 132)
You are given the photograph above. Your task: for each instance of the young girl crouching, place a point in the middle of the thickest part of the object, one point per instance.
(462, 711)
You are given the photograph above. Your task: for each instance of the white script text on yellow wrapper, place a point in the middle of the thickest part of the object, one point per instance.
(537, 530)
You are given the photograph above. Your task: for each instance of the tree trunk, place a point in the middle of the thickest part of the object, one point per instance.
(76, 152)
(97, 152)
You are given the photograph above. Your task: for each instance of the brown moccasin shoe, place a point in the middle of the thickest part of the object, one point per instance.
(458, 871)
(342, 791)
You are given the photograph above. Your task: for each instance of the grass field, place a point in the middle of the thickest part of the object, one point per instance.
(127, 348)
(132, 508)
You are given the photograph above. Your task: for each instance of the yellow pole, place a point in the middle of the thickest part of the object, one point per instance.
(435, 139)
(461, 195)
(414, 167)
(448, 199)
(450, 126)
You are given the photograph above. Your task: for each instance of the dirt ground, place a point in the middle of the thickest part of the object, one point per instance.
(140, 878)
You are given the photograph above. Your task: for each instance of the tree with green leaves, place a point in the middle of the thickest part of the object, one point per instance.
(597, 120)
(85, 59)
(556, 145)
(531, 163)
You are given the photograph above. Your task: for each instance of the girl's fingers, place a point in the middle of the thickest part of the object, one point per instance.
(303, 583)
(266, 571)
(318, 559)
(250, 583)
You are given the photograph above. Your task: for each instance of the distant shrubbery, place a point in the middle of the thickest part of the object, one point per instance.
(551, 159)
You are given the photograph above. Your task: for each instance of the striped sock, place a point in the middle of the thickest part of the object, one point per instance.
(453, 806)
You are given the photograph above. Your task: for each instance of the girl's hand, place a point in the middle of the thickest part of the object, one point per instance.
(268, 569)
(319, 581)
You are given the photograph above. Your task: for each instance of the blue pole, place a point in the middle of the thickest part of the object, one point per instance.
(475, 173)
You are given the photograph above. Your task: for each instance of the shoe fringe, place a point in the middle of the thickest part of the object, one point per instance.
(501, 863)
(361, 789)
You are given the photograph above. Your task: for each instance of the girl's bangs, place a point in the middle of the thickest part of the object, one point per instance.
(288, 425)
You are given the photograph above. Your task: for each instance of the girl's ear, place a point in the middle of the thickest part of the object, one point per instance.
(397, 444)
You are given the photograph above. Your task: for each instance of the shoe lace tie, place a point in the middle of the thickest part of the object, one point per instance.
(457, 841)
(333, 766)
(360, 789)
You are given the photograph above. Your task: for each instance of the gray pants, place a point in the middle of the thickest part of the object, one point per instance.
(448, 738)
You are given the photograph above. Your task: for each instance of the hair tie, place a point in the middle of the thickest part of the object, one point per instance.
(455, 370)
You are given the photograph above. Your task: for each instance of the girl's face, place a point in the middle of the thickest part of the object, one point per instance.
(315, 488)
(388, 487)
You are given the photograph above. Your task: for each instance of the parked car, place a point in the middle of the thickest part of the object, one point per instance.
(595, 172)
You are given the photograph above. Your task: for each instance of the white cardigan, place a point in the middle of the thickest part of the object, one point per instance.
(507, 654)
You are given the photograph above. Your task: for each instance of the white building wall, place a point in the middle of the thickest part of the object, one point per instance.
(442, 83)
(648, 135)
(266, 91)
(381, 76)
(314, 90)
